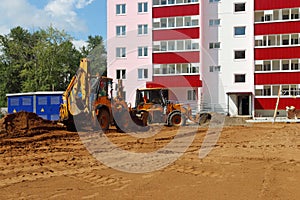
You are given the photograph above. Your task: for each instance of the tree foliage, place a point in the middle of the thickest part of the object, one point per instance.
(44, 60)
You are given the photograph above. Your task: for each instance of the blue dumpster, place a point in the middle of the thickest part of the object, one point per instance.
(44, 104)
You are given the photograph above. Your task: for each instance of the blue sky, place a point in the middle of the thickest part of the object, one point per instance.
(79, 18)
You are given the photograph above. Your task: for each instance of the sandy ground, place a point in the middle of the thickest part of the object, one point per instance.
(256, 161)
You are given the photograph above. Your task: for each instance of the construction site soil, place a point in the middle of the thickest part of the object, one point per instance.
(39, 159)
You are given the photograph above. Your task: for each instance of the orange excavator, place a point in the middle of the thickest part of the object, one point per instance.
(89, 99)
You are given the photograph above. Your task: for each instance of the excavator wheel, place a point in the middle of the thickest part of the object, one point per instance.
(103, 119)
(122, 121)
(176, 119)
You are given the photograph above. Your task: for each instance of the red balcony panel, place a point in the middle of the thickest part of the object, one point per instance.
(277, 53)
(277, 28)
(173, 11)
(176, 57)
(277, 78)
(176, 34)
(270, 103)
(277, 4)
(175, 81)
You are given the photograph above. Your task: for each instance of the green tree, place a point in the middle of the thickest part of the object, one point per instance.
(55, 61)
(15, 53)
(96, 53)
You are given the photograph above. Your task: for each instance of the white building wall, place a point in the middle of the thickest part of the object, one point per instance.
(216, 84)
(131, 41)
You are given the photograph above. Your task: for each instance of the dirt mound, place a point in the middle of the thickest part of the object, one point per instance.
(25, 124)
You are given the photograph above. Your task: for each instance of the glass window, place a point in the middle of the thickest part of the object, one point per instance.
(240, 30)
(239, 78)
(142, 73)
(121, 74)
(239, 7)
(142, 51)
(120, 9)
(171, 45)
(180, 45)
(120, 52)
(121, 30)
(142, 7)
(179, 21)
(240, 54)
(191, 95)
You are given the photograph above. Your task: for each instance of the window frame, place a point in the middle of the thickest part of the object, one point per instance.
(191, 95)
(242, 80)
(143, 29)
(239, 58)
(235, 31)
(144, 50)
(239, 3)
(121, 74)
(121, 9)
(120, 51)
(144, 73)
(122, 32)
(144, 7)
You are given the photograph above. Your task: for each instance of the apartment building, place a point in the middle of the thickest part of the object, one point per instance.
(228, 56)
(277, 54)
(129, 44)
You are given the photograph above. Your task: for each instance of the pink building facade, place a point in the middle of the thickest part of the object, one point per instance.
(228, 56)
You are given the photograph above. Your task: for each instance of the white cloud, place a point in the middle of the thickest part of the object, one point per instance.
(79, 44)
(83, 3)
(59, 13)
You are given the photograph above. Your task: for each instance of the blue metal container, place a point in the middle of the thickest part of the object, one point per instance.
(45, 104)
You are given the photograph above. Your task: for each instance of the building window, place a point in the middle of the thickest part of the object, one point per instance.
(120, 9)
(214, 68)
(172, 2)
(191, 95)
(121, 30)
(143, 7)
(214, 22)
(241, 30)
(142, 29)
(142, 51)
(121, 52)
(121, 74)
(176, 45)
(239, 7)
(239, 54)
(184, 68)
(214, 45)
(142, 73)
(174, 22)
(214, 1)
(239, 78)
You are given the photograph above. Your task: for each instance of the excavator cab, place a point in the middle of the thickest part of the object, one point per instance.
(151, 96)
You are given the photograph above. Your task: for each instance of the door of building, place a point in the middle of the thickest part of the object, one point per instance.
(244, 106)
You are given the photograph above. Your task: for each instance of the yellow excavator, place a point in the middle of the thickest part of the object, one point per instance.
(155, 101)
(88, 100)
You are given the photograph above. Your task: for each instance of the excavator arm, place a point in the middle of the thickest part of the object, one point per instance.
(76, 96)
